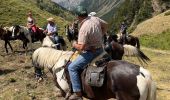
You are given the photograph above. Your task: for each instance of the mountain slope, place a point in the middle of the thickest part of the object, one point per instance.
(115, 11)
(15, 12)
(155, 25)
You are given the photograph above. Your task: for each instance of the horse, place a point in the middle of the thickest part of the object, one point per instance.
(131, 40)
(71, 33)
(123, 80)
(38, 36)
(31, 38)
(10, 33)
(48, 42)
(117, 51)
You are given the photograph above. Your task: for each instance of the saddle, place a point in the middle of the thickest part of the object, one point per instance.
(93, 75)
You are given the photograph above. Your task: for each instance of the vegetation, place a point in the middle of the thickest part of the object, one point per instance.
(133, 11)
(159, 41)
(15, 12)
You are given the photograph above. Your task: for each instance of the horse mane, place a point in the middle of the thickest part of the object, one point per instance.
(54, 59)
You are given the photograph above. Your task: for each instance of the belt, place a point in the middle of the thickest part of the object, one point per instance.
(93, 49)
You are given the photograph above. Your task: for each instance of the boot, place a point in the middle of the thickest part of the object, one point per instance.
(76, 96)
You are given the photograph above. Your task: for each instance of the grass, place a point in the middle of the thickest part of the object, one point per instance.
(159, 68)
(159, 41)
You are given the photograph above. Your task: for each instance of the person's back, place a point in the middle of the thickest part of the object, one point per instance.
(93, 30)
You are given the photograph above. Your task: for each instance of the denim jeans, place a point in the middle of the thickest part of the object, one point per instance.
(55, 39)
(77, 66)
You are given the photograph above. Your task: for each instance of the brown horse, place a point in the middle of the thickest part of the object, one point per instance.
(8, 33)
(117, 51)
(38, 36)
(123, 80)
(131, 40)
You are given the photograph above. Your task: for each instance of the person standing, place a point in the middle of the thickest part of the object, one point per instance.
(90, 41)
(123, 32)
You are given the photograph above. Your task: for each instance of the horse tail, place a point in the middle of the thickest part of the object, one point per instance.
(151, 90)
(137, 43)
(133, 51)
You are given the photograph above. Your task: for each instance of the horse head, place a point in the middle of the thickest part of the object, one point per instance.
(15, 30)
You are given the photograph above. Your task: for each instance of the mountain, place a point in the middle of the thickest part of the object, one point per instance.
(68, 4)
(115, 11)
(15, 12)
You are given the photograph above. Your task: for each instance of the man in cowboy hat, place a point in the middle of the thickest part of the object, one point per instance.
(52, 30)
(89, 44)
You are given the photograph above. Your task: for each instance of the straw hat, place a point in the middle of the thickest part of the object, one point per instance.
(50, 19)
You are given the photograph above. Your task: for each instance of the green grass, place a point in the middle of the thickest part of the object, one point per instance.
(160, 41)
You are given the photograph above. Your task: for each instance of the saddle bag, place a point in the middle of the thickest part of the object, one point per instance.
(95, 75)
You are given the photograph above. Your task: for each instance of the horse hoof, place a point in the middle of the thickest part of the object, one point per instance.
(40, 80)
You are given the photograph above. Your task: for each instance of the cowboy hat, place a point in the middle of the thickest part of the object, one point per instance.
(50, 19)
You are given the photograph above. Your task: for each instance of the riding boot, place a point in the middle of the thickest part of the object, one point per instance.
(76, 96)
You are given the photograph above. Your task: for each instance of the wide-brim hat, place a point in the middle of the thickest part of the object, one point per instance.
(50, 19)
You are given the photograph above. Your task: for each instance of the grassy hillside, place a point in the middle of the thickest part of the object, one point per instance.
(155, 32)
(155, 25)
(15, 12)
(159, 41)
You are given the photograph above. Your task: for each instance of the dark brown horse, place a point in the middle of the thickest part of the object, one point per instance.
(123, 80)
(117, 51)
(8, 33)
(131, 40)
(38, 36)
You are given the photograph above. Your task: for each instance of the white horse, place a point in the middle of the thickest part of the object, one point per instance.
(56, 59)
(48, 42)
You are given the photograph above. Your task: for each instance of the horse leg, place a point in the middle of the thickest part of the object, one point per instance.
(10, 46)
(6, 47)
(137, 42)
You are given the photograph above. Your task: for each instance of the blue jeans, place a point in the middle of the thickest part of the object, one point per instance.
(55, 39)
(77, 66)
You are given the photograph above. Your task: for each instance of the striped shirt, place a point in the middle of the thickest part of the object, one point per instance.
(90, 32)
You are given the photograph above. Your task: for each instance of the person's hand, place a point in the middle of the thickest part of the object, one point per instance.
(74, 43)
(49, 34)
(45, 31)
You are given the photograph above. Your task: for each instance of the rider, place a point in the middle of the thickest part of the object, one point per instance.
(89, 44)
(123, 31)
(52, 30)
(31, 24)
